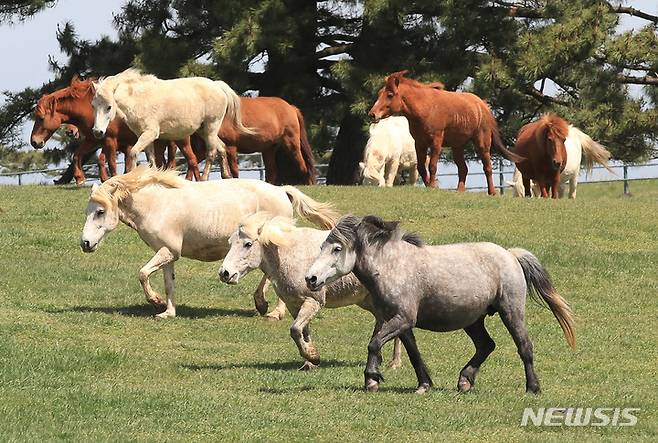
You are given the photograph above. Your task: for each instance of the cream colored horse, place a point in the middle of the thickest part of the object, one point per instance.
(577, 143)
(168, 109)
(390, 149)
(284, 252)
(178, 218)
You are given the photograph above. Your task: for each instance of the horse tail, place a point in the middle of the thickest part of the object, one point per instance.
(316, 212)
(594, 151)
(234, 109)
(497, 143)
(539, 282)
(307, 152)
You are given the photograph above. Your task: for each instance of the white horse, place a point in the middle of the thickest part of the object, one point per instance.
(577, 143)
(178, 218)
(390, 149)
(168, 109)
(284, 252)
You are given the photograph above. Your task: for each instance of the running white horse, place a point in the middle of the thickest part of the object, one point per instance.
(284, 252)
(178, 218)
(168, 109)
(390, 149)
(577, 143)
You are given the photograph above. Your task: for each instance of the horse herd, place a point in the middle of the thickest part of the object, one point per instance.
(131, 112)
(367, 261)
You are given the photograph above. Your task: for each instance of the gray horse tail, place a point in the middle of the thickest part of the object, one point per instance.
(539, 282)
(322, 214)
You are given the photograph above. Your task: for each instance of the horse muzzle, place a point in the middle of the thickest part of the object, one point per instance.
(98, 133)
(37, 144)
(313, 283)
(227, 277)
(87, 246)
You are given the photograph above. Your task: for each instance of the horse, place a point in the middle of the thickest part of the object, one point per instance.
(390, 148)
(542, 143)
(576, 144)
(168, 109)
(438, 117)
(72, 105)
(284, 252)
(437, 288)
(279, 127)
(178, 218)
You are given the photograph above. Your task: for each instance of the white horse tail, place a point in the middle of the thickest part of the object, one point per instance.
(593, 151)
(539, 282)
(233, 108)
(322, 214)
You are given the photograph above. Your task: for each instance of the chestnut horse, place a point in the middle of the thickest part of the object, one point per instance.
(72, 105)
(278, 126)
(437, 118)
(542, 144)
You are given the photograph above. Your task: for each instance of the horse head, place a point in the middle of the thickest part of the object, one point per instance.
(46, 121)
(389, 101)
(102, 216)
(555, 134)
(104, 104)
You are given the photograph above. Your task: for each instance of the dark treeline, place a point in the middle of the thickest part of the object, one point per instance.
(329, 58)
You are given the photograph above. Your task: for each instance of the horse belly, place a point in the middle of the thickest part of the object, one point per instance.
(452, 311)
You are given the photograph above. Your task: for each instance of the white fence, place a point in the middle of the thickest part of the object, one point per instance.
(503, 171)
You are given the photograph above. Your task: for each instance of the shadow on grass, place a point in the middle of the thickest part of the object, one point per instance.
(273, 366)
(348, 388)
(144, 310)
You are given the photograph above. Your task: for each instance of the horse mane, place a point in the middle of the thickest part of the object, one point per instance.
(371, 230)
(119, 187)
(130, 75)
(267, 229)
(77, 89)
(554, 125)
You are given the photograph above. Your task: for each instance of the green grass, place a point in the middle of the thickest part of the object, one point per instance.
(81, 357)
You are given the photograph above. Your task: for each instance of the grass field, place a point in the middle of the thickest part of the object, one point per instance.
(81, 357)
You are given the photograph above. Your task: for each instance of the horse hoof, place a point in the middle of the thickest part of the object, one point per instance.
(262, 308)
(395, 364)
(165, 315)
(308, 366)
(372, 386)
(464, 385)
(423, 389)
(274, 316)
(532, 390)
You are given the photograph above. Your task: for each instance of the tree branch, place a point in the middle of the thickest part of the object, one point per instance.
(645, 80)
(543, 98)
(632, 11)
(333, 50)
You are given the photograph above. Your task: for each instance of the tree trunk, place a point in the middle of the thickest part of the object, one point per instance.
(348, 152)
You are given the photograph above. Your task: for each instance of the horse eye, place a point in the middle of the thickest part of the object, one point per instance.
(247, 244)
(390, 95)
(100, 212)
(109, 107)
(337, 248)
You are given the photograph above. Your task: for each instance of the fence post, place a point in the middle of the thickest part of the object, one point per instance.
(626, 191)
(501, 176)
(20, 180)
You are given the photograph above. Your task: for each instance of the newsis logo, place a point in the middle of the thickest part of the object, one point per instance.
(580, 416)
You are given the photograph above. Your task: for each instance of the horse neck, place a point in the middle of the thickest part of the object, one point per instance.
(139, 206)
(78, 111)
(414, 101)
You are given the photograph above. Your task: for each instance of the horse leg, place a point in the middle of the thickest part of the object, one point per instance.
(215, 146)
(159, 153)
(462, 168)
(292, 144)
(389, 329)
(110, 148)
(423, 376)
(484, 345)
(413, 176)
(145, 142)
(168, 271)
(396, 361)
(171, 155)
(437, 145)
(527, 186)
(128, 159)
(421, 167)
(102, 171)
(555, 186)
(514, 320)
(271, 173)
(259, 296)
(161, 258)
(391, 172)
(277, 313)
(185, 146)
(300, 334)
(232, 157)
(573, 182)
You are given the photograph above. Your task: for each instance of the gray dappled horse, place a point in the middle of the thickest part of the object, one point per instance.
(438, 288)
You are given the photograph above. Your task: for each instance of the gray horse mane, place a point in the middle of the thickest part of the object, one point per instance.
(370, 230)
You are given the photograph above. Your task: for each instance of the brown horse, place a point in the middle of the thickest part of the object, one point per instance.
(542, 144)
(278, 126)
(437, 118)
